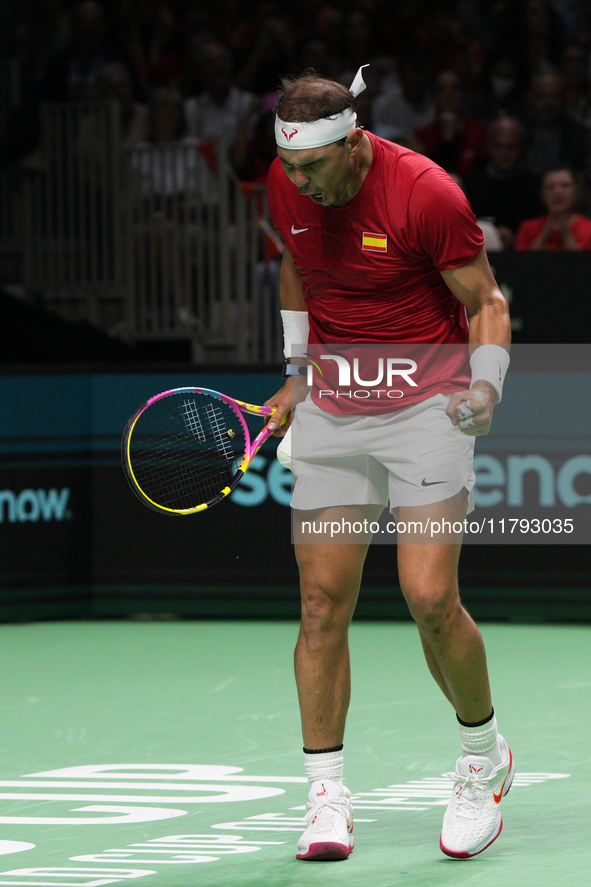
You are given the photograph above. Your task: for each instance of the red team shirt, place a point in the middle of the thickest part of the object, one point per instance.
(371, 269)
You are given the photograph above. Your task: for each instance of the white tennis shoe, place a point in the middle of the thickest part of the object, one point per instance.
(472, 820)
(329, 823)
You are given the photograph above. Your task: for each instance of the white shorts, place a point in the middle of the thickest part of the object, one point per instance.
(414, 456)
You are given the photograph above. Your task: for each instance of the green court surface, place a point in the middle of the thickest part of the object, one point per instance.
(169, 754)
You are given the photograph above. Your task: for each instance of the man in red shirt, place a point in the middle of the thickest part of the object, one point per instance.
(382, 247)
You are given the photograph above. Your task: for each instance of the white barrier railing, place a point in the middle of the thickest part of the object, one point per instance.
(159, 242)
(73, 213)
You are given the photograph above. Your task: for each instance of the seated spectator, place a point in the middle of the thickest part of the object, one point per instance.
(562, 228)
(505, 189)
(553, 138)
(114, 82)
(216, 113)
(453, 141)
(409, 106)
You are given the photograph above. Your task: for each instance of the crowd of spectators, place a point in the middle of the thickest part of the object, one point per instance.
(498, 92)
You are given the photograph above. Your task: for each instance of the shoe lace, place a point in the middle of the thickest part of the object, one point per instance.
(337, 805)
(468, 792)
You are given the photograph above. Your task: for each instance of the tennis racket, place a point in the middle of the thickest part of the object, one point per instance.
(186, 449)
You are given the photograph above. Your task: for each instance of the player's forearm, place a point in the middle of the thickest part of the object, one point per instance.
(490, 324)
(489, 342)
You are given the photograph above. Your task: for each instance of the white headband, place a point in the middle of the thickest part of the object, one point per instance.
(325, 131)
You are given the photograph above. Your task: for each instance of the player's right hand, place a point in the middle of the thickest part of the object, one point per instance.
(479, 402)
(293, 392)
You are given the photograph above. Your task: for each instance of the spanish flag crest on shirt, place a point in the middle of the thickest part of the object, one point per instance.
(376, 242)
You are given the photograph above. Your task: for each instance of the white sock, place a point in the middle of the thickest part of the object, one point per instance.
(325, 765)
(481, 740)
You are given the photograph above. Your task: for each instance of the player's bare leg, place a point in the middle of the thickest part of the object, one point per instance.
(453, 645)
(456, 657)
(330, 576)
(428, 575)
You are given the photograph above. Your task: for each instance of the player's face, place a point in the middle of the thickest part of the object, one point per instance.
(322, 174)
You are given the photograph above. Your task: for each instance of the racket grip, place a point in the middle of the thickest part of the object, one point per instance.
(465, 413)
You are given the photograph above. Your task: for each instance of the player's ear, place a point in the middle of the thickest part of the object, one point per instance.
(354, 140)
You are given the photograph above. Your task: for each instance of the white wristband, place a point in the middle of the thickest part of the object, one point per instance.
(296, 328)
(489, 364)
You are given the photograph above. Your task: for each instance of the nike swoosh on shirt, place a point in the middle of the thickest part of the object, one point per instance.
(298, 230)
(431, 483)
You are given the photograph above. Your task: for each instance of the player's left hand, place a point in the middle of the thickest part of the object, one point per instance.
(481, 399)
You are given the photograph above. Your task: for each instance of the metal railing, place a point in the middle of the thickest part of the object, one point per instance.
(198, 259)
(160, 242)
(73, 202)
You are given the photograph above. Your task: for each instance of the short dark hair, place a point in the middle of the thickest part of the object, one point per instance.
(311, 97)
(558, 167)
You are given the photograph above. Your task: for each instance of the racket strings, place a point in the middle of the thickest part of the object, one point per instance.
(184, 450)
(219, 430)
(192, 419)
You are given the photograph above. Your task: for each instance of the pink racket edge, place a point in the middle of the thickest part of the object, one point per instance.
(232, 402)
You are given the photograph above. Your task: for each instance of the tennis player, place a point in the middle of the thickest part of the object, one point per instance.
(428, 282)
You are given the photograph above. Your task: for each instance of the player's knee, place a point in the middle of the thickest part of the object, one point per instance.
(326, 607)
(433, 609)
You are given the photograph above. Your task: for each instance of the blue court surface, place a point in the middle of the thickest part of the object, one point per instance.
(168, 753)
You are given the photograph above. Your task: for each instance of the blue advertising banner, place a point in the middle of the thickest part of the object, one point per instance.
(74, 540)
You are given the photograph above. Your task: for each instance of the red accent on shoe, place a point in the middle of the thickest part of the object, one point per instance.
(464, 854)
(498, 796)
(325, 850)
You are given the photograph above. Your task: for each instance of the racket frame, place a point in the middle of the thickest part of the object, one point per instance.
(250, 449)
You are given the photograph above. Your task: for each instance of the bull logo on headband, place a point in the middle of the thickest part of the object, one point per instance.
(288, 136)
